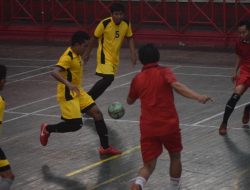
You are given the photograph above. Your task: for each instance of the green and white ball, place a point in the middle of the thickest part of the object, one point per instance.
(116, 110)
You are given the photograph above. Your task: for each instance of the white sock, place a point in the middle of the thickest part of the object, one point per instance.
(140, 181)
(175, 183)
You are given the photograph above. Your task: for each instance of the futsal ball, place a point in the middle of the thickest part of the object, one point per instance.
(116, 110)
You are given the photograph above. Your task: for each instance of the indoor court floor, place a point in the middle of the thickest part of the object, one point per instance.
(71, 161)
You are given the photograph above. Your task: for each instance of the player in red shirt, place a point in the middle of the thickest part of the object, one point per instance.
(241, 76)
(159, 123)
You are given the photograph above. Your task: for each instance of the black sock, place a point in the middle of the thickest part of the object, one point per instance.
(100, 86)
(65, 126)
(230, 107)
(102, 131)
(247, 107)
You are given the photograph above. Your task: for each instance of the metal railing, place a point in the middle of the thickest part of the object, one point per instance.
(191, 22)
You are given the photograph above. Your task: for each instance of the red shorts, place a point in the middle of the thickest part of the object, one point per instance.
(243, 78)
(152, 147)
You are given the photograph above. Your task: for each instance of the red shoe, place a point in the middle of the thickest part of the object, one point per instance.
(245, 118)
(223, 129)
(44, 134)
(109, 151)
(135, 187)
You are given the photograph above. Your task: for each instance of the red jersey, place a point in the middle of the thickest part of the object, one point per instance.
(153, 87)
(242, 49)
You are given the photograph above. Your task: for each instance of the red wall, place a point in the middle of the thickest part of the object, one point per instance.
(164, 22)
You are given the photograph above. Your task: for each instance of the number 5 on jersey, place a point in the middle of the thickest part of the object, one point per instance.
(117, 34)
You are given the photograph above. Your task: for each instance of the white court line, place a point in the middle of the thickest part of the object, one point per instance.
(28, 114)
(44, 99)
(161, 62)
(29, 132)
(11, 76)
(137, 71)
(24, 66)
(202, 75)
(19, 59)
(193, 66)
(34, 102)
(176, 66)
(10, 109)
(115, 87)
(123, 120)
(204, 67)
(218, 114)
(124, 75)
(11, 82)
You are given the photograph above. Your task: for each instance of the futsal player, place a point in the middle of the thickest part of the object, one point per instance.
(73, 99)
(6, 175)
(110, 33)
(159, 123)
(241, 76)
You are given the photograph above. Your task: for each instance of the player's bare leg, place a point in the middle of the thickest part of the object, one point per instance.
(175, 170)
(143, 175)
(246, 114)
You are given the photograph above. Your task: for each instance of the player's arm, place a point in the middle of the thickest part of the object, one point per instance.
(56, 73)
(132, 95)
(130, 100)
(89, 48)
(131, 44)
(188, 93)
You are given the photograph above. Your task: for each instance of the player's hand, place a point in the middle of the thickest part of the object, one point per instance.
(204, 99)
(74, 88)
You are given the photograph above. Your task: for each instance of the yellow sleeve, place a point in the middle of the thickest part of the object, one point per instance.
(2, 107)
(64, 62)
(99, 30)
(129, 31)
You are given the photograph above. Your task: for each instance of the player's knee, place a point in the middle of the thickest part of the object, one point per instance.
(75, 124)
(108, 80)
(96, 113)
(233, 100)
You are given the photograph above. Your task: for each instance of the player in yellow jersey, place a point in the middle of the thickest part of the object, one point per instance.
(110, 33)
(73, 99)
(6, 175)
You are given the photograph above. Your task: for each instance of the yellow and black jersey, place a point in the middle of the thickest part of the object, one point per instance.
(110, 38)
(72, 65)
(2, 108)
(4, 163)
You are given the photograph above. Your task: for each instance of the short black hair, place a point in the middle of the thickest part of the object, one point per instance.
(148, 54)
(3, 72)
(79, 37)
(245, 23)
(116, 7)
